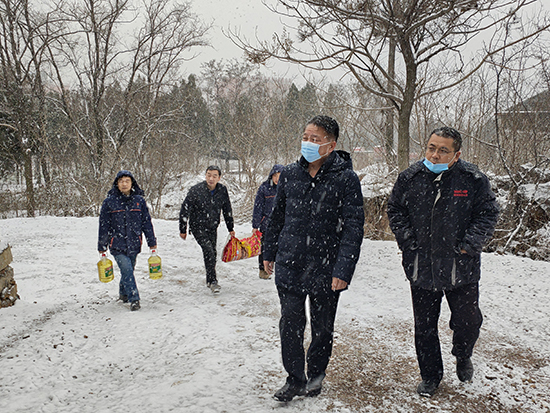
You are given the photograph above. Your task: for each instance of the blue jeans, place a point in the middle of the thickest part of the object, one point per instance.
(127, 284)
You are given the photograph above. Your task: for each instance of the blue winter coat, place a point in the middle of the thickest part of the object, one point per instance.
(316, 228)
(434, 217)
(265, 200)
(123, 219)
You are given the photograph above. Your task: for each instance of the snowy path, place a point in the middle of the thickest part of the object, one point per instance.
(69, 346)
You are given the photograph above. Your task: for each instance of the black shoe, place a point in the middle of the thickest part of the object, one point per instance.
(314, 385)
(123, 298)
(215, 287)
(134, 306)
(464, 369)
(427, 388)
(288, 392)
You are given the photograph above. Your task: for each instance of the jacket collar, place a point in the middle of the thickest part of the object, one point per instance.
(336, 160)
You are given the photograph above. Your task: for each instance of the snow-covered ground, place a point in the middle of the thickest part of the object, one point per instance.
(69, 346)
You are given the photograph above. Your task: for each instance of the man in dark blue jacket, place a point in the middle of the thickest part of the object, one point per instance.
(314, 236)
(201, 209)
(442, 212)
(123, 218)
(263, 205)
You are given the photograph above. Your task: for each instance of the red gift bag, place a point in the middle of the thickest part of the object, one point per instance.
(238, 249)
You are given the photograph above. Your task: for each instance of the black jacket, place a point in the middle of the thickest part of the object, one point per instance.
(316, 228)
(123, 219)
(201, 209)
(434, 217)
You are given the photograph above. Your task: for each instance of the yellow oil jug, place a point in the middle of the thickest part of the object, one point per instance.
(105, 269)
(155, 267)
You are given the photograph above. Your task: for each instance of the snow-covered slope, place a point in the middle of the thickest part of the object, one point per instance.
(69, 346)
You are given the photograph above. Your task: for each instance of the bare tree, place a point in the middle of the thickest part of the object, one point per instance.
(24, 35)
(237, 94)
(122, 58)
(430, 38)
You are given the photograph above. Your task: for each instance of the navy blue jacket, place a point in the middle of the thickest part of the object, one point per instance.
(434, 217)
(201, 209)
(123, 219)
(316, 228)
(265, 200)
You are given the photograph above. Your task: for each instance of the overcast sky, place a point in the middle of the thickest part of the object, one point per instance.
(252, 18)
(246, 16)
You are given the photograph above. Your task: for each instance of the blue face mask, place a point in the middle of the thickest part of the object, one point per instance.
(310, 151)
(437, 168)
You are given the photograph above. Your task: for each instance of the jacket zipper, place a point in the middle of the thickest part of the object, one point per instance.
(438, 195)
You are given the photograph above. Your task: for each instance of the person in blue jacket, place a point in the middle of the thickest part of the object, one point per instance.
(442, 212)
(313, 239)
(124, 217)
(263, 205)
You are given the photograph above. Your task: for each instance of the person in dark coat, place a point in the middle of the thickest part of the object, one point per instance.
(263, 205)
(313, 238)
(123, 218)
(201, 210)
(442, 212)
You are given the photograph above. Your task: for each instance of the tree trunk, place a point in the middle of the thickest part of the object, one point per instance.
(403, 137)
(45, 171)
(29, 191)
(403, 134)
(389, 150)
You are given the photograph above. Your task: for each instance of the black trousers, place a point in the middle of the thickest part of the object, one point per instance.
(261, 256)
(466, 320)
(292, 325)
(207, 241)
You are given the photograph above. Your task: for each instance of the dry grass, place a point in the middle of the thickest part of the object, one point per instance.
(375, 370)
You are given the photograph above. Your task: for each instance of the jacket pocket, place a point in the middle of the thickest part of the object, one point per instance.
(465, 270)
(453, 273)
(415, 268)
(410, 264)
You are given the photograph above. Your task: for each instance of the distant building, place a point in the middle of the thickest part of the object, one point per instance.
(523, 136)
(530, 115)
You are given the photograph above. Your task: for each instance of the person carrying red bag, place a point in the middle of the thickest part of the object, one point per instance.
(201, 210)
(263, 205)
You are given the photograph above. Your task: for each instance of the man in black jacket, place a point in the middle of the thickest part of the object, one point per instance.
(442, 212)
(314, 236)
(201, 209)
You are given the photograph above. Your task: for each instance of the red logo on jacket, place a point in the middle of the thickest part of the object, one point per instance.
(459, 192)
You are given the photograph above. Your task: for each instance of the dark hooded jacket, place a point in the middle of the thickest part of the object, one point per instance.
(123, 219)
(435, 216)
(201, 209)
(316, 228)
(265, 199)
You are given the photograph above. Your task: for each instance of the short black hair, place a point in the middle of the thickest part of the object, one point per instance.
(214, 168)
(328, 124)
(450, 133)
